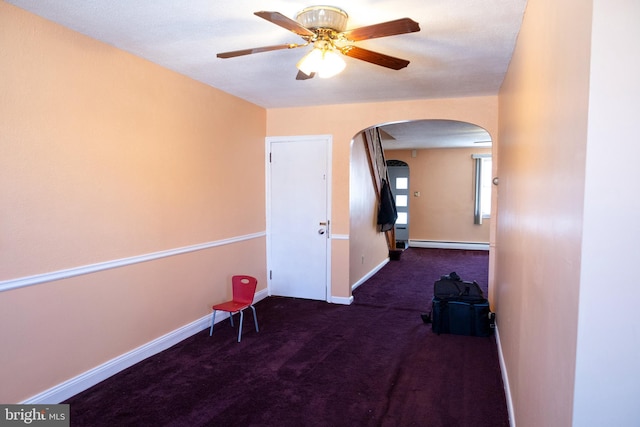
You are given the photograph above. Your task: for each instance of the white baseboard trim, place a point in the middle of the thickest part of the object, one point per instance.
(505, 380)
(369, 274)
(435, 244)
(341, 300)
(82, 382)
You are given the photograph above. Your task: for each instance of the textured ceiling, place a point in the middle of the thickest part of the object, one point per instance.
(433, 134)
(463, 47)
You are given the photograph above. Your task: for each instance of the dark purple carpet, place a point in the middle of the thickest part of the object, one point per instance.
(373, 363)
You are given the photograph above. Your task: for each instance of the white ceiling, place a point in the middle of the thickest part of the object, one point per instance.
(463, 47)
(433, 134)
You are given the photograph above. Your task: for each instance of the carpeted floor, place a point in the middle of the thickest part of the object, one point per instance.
(373, 363)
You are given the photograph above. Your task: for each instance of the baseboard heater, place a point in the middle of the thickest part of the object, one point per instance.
(436, 244)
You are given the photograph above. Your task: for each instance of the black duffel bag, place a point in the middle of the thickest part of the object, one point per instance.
(451, 286)
(459, 307)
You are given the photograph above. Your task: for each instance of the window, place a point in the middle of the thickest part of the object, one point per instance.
(485, 187)
(482, 205)
(402, 183)
(402, 218)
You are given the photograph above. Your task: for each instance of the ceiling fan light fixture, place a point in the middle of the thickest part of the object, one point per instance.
(332, 64)
(324, 28)
(323, 17)
(324, 61)
(310, 63)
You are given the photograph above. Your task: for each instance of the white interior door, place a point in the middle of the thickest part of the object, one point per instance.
(298, 216)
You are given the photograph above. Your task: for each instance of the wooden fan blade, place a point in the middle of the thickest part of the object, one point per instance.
(374, 57)
(303, 76)
(391, 28)
(235, 53)
(287, 23)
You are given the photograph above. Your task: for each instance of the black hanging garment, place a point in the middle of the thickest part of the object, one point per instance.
(387, 213)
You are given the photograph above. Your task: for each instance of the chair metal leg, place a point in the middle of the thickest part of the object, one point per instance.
(255, 321)
(240, 326)
(255, 318)
(213, 321)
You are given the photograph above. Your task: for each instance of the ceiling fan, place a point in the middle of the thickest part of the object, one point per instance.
(324, 28)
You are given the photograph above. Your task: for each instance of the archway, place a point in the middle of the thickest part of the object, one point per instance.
(441, 212)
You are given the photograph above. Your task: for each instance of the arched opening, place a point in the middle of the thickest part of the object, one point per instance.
(441, 155)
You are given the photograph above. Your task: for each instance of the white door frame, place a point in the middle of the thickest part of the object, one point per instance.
(275, 139)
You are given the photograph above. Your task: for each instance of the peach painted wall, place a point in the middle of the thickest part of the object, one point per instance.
(444, 178)
(344, 121)
(543, 146)
(105, 157)
(367, 246)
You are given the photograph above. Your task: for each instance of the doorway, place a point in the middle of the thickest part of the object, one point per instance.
(399, 182)
(428, 146)
(298, 216)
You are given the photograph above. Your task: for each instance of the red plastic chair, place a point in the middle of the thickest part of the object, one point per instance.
(244, 288)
